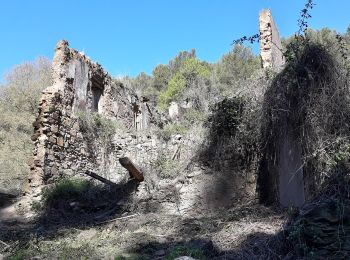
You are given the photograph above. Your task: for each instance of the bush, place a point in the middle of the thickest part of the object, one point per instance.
(308, 100)
(226, 117)
(191, 72)
(193, 117)
(176, 85)
(97, 127)
(185, 251)
(170, 130)
(65, 189)
(166, 167)
(20, 254)
(233, 134)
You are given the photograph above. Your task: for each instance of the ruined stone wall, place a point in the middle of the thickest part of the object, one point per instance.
(270, 42)
(82, 87)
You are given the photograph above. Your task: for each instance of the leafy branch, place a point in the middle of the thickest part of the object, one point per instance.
(304, 16)
(343, 50)
(251, 39)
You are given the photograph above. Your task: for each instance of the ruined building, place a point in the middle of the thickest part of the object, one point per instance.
(81, 87)
(64, 147)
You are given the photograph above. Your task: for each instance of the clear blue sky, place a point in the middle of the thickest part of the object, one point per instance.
(130, 36)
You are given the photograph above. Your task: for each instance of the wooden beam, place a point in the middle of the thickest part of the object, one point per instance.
(100, 178)
(132, 168)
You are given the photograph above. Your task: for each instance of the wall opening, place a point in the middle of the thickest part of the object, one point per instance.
(96, 98)
(97, 93)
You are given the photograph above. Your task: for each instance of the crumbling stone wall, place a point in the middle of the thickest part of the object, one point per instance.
(270, 42)
(81, 86)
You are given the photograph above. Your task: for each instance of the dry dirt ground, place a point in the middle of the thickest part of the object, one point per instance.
(248, 231)
(196, 216)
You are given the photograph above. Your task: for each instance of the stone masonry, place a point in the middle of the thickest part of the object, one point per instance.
(81, 86)
(270, 42)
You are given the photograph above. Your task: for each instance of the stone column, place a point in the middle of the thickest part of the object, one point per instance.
(270, 42)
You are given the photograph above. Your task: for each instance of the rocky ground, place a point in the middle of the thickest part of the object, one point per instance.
(248, 231)
(196, 215)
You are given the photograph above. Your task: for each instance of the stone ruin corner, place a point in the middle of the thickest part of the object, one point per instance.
(80, 85)
(270, 41)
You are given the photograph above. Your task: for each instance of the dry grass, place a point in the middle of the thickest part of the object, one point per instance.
(251, 233)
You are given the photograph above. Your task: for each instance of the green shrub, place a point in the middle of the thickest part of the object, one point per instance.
(20, 254)
(65, 189)
(193, 116)
(185, 251)
(189, 74)
(119, 257)
(172, 129)
(96, 126)
(166, 167)
(226, 117)
(176, 85)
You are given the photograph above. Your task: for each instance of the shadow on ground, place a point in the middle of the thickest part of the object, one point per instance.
(94, 205)
(255, 246)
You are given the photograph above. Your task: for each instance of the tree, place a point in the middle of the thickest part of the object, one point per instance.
(239, 64)
(18, 104)
(161, 76)
(176, 85)
(24, 84)
(189, 76)
(176, 63)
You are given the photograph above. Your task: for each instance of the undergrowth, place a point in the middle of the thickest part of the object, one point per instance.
(308, 102)
(170, 130)
(96, 126)
(75, 200)
(233, 133)
(166, 167)
(65, 189)
(179, 251)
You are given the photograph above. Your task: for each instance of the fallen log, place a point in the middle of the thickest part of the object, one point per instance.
(100, 178)
(132, 168)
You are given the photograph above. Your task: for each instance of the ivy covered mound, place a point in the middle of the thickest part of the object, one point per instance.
(322, 228)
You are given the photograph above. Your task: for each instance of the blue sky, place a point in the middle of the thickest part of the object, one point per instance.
(130, 36)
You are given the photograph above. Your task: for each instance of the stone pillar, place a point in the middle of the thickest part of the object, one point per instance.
(270, 42)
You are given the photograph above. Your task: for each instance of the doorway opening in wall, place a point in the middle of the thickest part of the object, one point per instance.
(97, 93)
